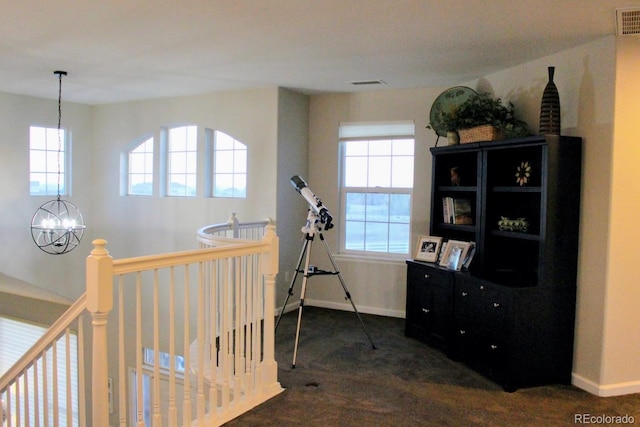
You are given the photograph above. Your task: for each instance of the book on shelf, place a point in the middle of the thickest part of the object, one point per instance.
(447, 210)
(462, 211)
(456, 211)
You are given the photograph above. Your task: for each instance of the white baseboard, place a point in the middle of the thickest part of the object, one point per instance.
(608, 390)
(344, 307)
(361, 309)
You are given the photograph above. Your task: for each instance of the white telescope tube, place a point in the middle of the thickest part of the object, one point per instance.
(314, 201)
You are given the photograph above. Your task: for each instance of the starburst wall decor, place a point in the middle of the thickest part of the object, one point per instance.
(523, 173)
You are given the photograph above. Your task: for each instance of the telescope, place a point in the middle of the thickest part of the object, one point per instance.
(317, 212)
(314, 202)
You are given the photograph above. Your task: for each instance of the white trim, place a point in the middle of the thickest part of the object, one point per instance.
(608, 390)
(361, 309)
(371, 258)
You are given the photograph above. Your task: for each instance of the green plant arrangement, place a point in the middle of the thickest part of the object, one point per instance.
(482, 109)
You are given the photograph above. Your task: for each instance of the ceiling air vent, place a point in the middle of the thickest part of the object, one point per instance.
(628, 22)
(367, 82)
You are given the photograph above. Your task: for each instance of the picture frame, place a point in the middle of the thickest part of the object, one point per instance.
(428, 248)
(455, 254)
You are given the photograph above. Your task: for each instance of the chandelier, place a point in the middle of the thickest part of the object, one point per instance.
(57, 226)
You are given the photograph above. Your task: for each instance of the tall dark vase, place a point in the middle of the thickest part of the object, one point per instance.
(550, 108)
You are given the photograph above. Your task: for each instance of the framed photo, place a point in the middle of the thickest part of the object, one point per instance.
(428, 248)
(455, 254)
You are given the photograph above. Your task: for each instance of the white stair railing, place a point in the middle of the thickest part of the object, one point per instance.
(211, 308)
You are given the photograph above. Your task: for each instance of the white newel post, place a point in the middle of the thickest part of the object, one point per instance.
(99, 303)
(270, 265)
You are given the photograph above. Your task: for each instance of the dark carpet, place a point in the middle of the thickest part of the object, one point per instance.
(339, 380)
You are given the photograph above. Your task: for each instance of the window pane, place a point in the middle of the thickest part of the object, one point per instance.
(379, 148)
(240, 185)
(403, 147)
(355, 173)
(240, 161)
(223, 141)
(356, 206)
(376, 236)
(178, 139)
(37, 138)
(223, 185)
(354, 235)
(399, 237)
(357, 148)
(38, 161)
(178, 162)
(137, 163)
(378, 207)
(402, 172)
(380, 172)
(224, 161)
(400, 208)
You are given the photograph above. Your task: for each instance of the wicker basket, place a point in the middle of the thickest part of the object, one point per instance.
(479, 133)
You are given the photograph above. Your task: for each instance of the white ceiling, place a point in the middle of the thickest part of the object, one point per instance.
(123, 50)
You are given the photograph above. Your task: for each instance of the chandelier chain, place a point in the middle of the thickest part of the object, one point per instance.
(60, 74)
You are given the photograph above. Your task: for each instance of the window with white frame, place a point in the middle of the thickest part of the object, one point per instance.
(376, 185)
(229, 166)
(182, 161)
(47, 161)
(140, 161)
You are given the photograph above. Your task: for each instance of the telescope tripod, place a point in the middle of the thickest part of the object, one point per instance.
(307, 272)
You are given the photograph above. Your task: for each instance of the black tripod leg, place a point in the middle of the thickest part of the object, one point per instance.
(293, 281)
(346, 291)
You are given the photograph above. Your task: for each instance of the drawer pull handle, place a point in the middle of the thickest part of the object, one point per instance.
(496, 304)
(427, 276)
(426, 310)
(464, 294)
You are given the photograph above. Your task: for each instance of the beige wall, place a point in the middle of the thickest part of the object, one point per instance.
(607, 323)
(620, 369)
(20, 258)
(165, 224)
(585, 77)
(376, 286)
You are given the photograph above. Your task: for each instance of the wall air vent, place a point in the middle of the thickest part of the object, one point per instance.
(628, 21)
(367, 82)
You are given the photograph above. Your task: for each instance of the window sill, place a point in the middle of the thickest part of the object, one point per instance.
(377, 259)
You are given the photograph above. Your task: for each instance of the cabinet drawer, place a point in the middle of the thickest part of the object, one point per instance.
(425, 275)
(480, 306)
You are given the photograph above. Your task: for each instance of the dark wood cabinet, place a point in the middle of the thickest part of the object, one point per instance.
(429, 303)
(511, 314)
